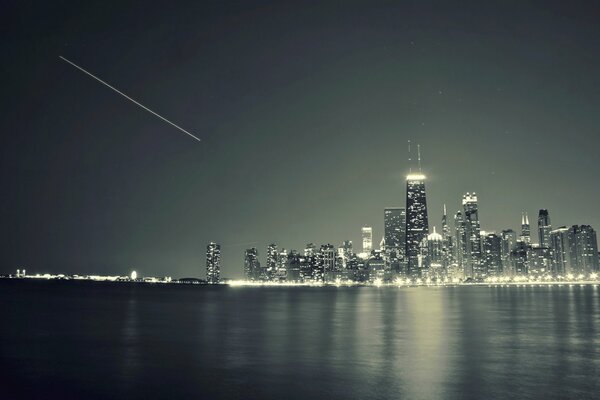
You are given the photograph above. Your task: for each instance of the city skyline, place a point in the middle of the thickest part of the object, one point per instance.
(287, 199)
(304, 125)
(463, 252)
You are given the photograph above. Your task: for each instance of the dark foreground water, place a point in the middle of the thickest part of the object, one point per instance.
(99, 340)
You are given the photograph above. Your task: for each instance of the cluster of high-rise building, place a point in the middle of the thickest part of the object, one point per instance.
(460, 251)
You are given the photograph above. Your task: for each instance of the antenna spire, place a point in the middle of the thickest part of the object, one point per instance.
(409, 159)
(419, 156)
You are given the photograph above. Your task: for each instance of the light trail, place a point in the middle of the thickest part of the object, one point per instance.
(129, 98)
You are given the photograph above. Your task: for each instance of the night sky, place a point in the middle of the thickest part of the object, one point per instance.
(304, 110)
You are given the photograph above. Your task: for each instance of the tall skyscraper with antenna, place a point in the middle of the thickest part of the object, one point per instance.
(417, 222)
(525, 229)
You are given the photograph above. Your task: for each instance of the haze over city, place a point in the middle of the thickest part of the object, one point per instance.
(304, 114)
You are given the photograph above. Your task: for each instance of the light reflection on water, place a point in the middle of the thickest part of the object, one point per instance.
(141, 341)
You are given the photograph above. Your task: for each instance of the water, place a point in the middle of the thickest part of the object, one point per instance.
(101, 340)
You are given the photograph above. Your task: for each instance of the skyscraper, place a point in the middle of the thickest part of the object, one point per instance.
(213, 263)
(310, 250)
(272, 256)
(294, 266)
(492, 254)
(519, 259)
(544, 228)
(560, 245)
(417, 221)
(252, 269)
(538, 259)
(459, 243)
(394, 222)
(326, 262)
(282, 264)
(345, 252)
(509, 240)
(448, 241)
(367, 239)
(525, 229)
(473, 264)
(584, 249)
(433, 260)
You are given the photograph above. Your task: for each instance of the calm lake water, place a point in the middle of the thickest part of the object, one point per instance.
(99, 340)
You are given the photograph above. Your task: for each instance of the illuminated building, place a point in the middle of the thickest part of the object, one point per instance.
(492, 254)
(309, 269)
(432, 258)
(518, 258)
(375, 265)
(310, 249)
(326, 263)
(352, 265)
(213, 263)
(525, 229)
(539, 260)
(509, 240)
(252, 269)
(459, 243)
(345, 252)
(586, 248)
(574, 250)
(293, 266)
(367, 239)
(472, 261)
(448, 241)
(271, 261)
(561, 257)
(417, 222)
(544, 228)
(282, 260)
(394, 222)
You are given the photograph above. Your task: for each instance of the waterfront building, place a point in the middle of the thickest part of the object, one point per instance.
(539, 260)
(525, 229)
(447, 239)
(585, 249)
(272, 256)
(472, 261)
(293, 267)
(367, 239)
(544, 228)
(509, 241)
(394, 221)
(492, 254)
(519, 259)
(345, 252)
(417, 222)
(561, 257)
(375, 266)
(459, 244)
(574, 250)
(213, 263)
(282, 266)
(252, 269)
(433, 258)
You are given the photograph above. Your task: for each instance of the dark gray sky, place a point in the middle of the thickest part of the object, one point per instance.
(304, 109)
